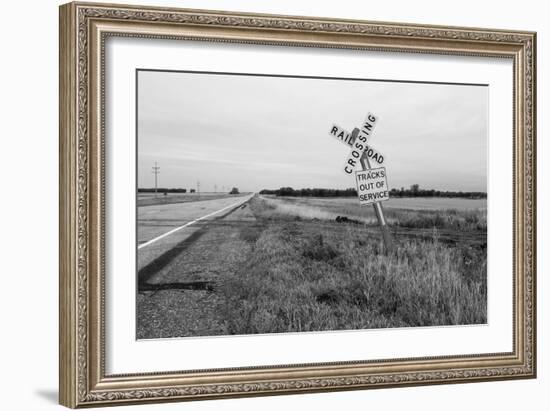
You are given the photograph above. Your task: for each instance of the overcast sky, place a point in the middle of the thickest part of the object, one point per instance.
(256, 132)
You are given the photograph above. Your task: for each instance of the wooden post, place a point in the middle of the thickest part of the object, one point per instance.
(378, 210)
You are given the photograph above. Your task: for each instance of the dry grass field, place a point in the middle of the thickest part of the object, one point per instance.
(307, 272)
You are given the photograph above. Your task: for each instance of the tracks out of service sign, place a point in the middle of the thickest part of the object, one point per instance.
(372, 185)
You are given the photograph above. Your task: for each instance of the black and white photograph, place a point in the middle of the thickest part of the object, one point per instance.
(281, 204)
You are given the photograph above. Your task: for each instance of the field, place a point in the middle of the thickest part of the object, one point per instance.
(309, 264)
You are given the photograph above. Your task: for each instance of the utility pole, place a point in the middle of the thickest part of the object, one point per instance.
(215, 188)
(156, 172)
(199, 189)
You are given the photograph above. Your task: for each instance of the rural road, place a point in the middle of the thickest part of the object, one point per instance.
(177, 274)
(162, 227)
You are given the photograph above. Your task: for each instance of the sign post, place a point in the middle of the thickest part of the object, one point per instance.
(378, 210)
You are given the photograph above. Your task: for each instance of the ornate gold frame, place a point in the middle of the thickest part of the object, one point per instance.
(83, 30)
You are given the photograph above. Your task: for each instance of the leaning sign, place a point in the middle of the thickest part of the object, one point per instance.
(360, 143)
(372, 185)
(348, 139)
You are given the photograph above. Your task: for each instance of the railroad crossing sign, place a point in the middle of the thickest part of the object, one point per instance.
(360, 143)
(346, 137)
(372, 185)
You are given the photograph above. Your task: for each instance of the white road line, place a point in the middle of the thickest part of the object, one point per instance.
(191, 222)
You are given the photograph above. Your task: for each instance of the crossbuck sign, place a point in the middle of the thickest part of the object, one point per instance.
(346, 137)
(372, 185)
(360, 143)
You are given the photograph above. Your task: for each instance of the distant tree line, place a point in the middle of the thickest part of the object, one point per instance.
(163, 190)
(234, 190)
(312, 192)
(413, 191)
(416, 191)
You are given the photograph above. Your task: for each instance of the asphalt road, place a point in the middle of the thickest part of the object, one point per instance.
(179, 273)
(159, 225)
